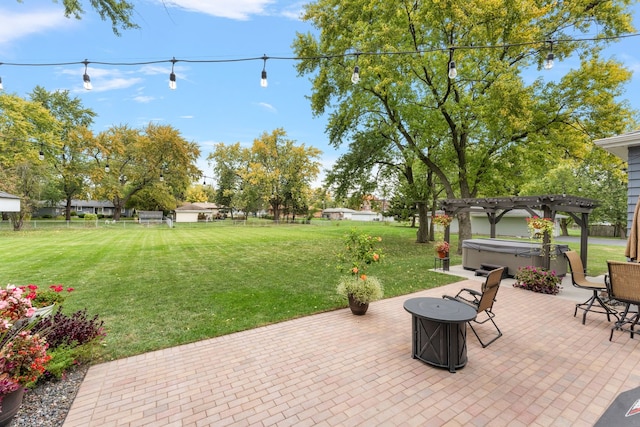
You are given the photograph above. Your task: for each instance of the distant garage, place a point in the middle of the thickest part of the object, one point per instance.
(9, 202)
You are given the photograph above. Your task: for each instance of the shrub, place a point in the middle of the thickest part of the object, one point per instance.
(76, 329)
(364, 290)
(537, 280)
(71, 339)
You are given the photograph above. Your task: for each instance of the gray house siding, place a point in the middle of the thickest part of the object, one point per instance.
(633, 186)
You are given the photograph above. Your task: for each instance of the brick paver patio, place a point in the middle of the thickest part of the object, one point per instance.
(337, 369)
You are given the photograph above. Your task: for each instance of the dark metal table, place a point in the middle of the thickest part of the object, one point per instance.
(440, 331)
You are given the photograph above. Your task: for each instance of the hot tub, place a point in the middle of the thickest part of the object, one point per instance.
(511, 254)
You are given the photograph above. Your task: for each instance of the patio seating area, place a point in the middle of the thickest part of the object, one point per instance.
(335, 368)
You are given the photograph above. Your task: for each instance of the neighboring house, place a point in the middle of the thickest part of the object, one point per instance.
(194, 212)
(627, 147)
(99, 207)
(513, 223)
(337, 213)
(350, 214)
(9, 202)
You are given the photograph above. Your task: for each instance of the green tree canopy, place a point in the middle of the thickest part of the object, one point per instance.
(117, 11)
(491, 128)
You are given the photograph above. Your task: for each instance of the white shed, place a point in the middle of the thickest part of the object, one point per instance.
(192, 212)
(9, 202)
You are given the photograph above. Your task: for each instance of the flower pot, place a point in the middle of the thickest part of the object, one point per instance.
(442, 254)
(356, 307)
(10, 405)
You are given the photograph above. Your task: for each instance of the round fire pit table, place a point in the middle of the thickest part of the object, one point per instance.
(439, 329)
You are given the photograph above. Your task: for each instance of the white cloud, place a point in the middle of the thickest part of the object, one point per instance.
(105, 79)
(268, 107)
(186, 117)
(14, 26)
(232, 9)
(143, 99)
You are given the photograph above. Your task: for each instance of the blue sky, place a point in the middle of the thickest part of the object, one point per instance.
(213, 102)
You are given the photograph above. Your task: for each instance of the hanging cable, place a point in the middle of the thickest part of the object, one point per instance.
(172, 76)
(263, 78)
(85, 78)
(548, 63)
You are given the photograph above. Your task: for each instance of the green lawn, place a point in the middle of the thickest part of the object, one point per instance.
(158, 287)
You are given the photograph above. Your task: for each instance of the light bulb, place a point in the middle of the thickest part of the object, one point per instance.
(355, 77)
(172, 81)
(1, 83)
(263, 79)
(548, 64)
(161, 177)
(107, 168)
(452, 70)
(87, 81)
(41, 155)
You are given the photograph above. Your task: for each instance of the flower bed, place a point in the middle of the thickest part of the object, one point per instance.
(537, 279)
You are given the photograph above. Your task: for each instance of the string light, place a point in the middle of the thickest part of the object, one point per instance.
(107, 169)
(263, 78)
(41, 153)
(453, 73)
(172, 76)
(263, 81)
(548, 64)
(355, 76)
(85, 78)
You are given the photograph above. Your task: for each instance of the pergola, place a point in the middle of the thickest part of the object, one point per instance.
(577, 208)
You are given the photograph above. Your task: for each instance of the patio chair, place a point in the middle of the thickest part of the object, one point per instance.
(624, 286)
(482, 301)
(594, 304)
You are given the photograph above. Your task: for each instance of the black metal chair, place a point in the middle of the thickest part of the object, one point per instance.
(594, 304)
(482, 302)
(624, 286)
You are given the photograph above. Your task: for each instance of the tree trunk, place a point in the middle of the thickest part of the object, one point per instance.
(563, 227)
(464, 229)
(422, 235)
(117, 208)
(67, 209)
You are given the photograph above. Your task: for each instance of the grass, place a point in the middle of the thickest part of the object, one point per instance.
(158, 287)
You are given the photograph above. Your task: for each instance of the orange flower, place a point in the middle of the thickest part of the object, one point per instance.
(376, 257)
(354, 270)
(363, 277)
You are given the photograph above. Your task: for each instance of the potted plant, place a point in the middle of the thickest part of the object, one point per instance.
(23, 354)
(442, 248)
(537, 280)
(358, 254)
(443, 220)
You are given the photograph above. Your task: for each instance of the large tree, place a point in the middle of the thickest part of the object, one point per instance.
(25, 127)
(275, 171)
(73, 137)
(491, 128)
(282, 171)
(129, 161)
